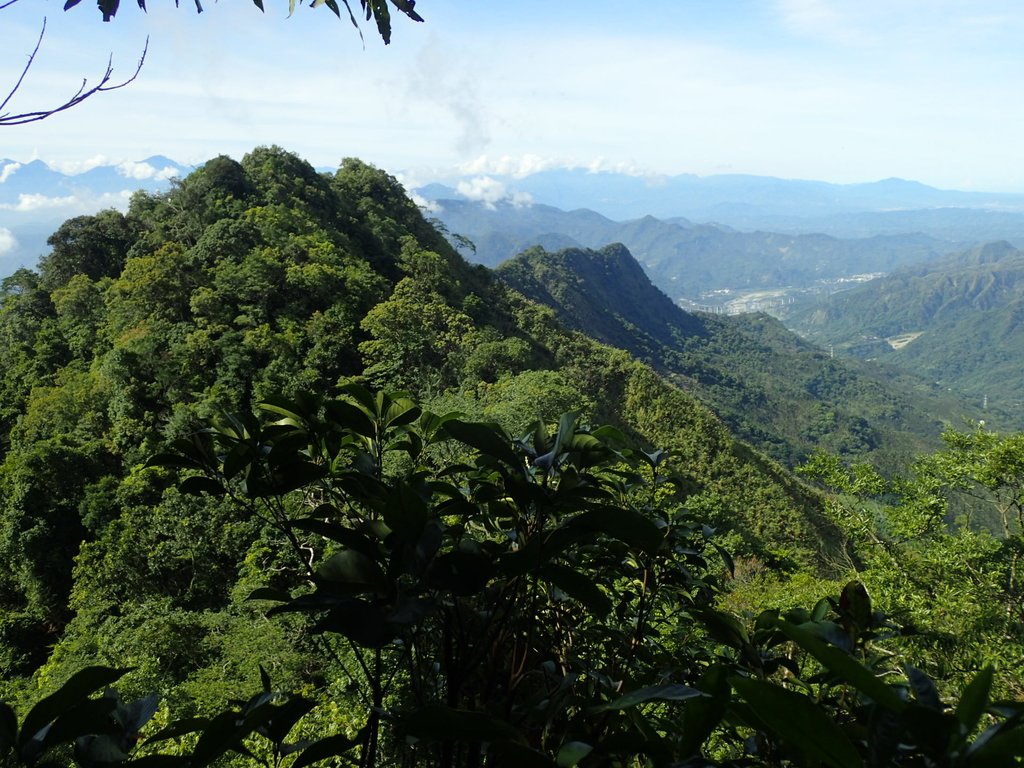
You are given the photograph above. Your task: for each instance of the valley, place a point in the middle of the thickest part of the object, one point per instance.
(276, 412)
(515, 385)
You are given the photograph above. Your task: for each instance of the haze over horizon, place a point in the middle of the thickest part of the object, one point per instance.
(803, 89)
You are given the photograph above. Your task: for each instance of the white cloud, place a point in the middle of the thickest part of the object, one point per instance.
(482, 189)
(169, 172)
(75, 167)
(521, 199)
(131, 169)
(487, 190)
(8, 170)
(35, 202)
(430, 206)
(508, 165)
(521, 166)
(7, 241)
(77, 203)
(441, 79)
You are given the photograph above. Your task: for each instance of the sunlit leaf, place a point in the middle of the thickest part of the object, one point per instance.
(799, 722)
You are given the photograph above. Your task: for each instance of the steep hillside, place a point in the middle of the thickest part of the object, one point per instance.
(956, 320)
(253, 280)
(685, 260)
(781, 393)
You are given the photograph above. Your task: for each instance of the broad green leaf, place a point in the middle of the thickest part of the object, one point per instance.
(108, 8)
(284, 718)
(626, 525)
(725, 628)
(799, 722)
(399, 412)
(666, 692)
(383, 18)
(726, 556)
(489, 439)
(405, 513)
(974, 700)
(76, 690)
(237, 459)
(348, 416)
(924, 689)
(701, 715)
(299, 412)
(324, 749)
(578, 586)
(221, 734)
(570, 753)
(997, 748)
(366, 400)
(845, 667)
(855, 604)
(91, 716)
(197, 485)
(354, 571)
(566, 429)
(288, 477)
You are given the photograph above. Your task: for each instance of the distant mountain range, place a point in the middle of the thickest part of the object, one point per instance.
(684, 259)
(716, 222)
(757, 203)
(35, 198)
(717, 198)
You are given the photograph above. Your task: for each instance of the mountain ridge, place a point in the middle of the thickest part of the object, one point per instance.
(786, 396)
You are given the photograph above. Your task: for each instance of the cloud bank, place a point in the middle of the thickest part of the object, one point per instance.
(8, 170)
(7, 241)
(142, 171)
(490, 191)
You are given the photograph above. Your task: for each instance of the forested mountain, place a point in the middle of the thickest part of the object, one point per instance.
(781, 393)
(684, 259)
(257, 279)
(541, 552)
(956, 320)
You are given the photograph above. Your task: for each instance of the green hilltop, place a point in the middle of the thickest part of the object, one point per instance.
(268, 431)
(265, 278)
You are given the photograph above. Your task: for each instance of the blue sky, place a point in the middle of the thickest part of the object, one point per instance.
(840, 91)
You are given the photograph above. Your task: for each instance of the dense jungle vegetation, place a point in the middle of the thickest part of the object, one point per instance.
(310, 489)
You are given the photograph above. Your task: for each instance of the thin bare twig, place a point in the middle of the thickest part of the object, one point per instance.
(28, 64)
(9, 2)
(80, 95)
